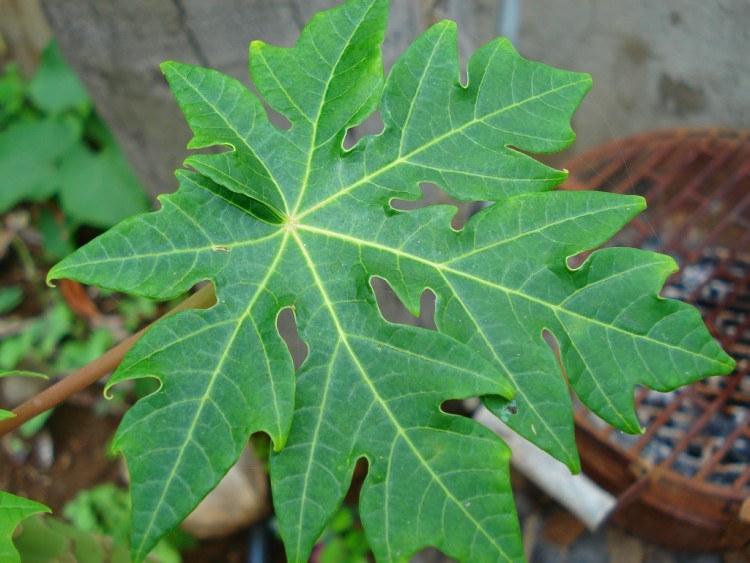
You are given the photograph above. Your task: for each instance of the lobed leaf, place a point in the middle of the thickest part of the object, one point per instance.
(290, 219)
(30, 154)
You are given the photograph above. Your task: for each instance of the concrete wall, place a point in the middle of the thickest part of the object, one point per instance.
(655, 63)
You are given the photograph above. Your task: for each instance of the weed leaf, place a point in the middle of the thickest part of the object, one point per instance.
(13, 510)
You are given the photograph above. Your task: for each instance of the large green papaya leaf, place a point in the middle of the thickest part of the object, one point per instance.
(291, 219)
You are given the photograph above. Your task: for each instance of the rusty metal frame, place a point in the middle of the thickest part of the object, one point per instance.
(697, 184)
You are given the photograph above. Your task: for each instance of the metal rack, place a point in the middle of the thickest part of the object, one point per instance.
(685, 482)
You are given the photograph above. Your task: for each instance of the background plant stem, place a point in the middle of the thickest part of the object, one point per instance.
(94, 371)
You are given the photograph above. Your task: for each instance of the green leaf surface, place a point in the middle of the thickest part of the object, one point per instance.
(13, 510)
(12, 92)
(63, 149)
(30, 155)
(99, 188)
(39, 339)
(10, 298)
(290, 219)
(47, 539)
(55, 87)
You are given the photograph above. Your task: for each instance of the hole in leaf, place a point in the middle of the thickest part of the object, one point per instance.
(358, 478)
(394, 311)
(146, 386)
(551, 341)
(261, 444)
(554, 345)
(576, 261)
(373, 125)
(458, 407)
(286, 323)
(278, 119)
(524, 152)
(433, 195)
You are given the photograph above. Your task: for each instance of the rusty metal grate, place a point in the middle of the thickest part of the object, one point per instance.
(691, 467)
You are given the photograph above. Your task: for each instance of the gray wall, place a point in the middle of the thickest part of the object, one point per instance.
(655, 63)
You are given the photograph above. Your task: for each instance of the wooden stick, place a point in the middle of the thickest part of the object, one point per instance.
(94, 371)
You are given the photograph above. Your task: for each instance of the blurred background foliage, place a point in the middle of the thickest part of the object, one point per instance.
(54, 146)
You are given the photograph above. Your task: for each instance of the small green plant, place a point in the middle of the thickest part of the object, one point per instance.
(343, 540)
(43, 539)
(52, 343)
(53, 144)
(105, 510)
(292, 219)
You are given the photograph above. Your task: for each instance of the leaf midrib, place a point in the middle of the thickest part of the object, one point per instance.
(214, 247)
(314, 133)
(313, 445)
(205, 396)
(444, 268)
(405, 158)
(413, 102)
(383, 404)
